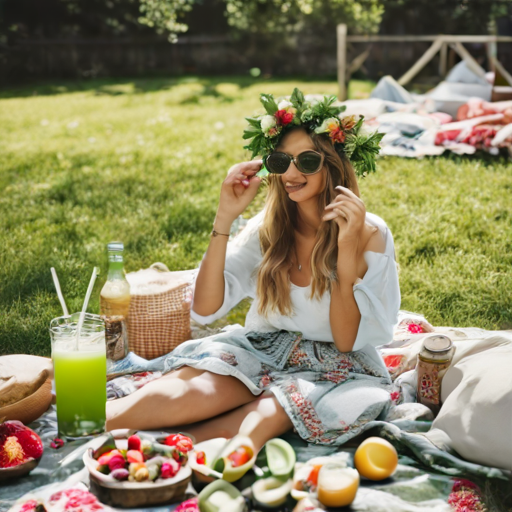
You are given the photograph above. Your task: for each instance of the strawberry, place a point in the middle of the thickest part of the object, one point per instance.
(200, 458)
(18, 444)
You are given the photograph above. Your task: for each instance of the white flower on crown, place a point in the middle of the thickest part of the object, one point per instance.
(286, 105)
(327, 125)
(267, 122)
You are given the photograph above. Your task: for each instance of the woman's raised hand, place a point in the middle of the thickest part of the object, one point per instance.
(349, 212)
(238, 190)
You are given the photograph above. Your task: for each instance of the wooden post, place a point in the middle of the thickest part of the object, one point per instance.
(498, 66)
(357, 63)
(444, 60)
(470, 61)
(422, 61)
(341, 32)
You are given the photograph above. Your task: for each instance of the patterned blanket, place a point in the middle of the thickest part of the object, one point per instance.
(438, 461)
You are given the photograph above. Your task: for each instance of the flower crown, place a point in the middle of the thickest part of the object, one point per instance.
(322, 117)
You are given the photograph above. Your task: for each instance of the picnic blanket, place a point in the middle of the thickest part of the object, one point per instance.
(470, 438)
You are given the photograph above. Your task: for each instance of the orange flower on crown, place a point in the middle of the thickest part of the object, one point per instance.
(348, 122)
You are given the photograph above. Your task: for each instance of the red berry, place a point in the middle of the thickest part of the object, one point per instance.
(169, 468)
(116, 462)
(57, 443)
(134, 443)
(200, 458)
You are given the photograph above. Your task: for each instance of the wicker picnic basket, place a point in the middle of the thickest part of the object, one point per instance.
(159, 315)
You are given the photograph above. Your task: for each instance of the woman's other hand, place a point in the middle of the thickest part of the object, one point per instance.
(238, 190)
(349, 213)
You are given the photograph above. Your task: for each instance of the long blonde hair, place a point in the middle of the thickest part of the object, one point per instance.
(277, 235)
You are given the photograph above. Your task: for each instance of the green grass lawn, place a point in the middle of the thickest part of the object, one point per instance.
(142, 161)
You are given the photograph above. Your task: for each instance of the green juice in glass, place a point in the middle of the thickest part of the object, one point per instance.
(80, 385)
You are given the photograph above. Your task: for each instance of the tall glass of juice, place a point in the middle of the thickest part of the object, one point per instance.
(80, 372)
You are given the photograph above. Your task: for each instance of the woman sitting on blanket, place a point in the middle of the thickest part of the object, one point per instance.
(322, 273)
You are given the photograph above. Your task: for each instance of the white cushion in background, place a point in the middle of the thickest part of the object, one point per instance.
(477, 413)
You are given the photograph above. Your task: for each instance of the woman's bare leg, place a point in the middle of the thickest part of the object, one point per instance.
(184, 396)
(261, 420)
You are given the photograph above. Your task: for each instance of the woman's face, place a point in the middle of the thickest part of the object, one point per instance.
(300, 187)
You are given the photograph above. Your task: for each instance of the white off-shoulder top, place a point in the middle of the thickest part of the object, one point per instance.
(377, 294)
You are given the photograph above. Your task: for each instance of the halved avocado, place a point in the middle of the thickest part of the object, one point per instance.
(280, 458)
(221, 496)
(271, 492)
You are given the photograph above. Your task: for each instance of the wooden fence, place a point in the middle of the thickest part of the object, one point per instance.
(440, 45)
(30, 60)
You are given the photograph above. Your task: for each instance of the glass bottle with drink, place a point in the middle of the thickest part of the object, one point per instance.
(115, 303)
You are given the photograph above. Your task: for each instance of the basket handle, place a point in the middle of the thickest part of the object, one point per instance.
(161, 267)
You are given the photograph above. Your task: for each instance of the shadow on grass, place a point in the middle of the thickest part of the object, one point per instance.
(130, 86)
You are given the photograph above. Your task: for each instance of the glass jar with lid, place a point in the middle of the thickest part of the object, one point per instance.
(434, 359)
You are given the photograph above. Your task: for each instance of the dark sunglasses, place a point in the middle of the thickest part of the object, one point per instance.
(307, 162)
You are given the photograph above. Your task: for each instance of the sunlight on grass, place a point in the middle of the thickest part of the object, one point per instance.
(142, 161)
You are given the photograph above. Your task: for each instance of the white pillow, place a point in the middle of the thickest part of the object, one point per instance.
(477, 413)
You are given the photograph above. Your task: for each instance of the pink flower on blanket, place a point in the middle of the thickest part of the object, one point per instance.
(29, 506)
(191, 505)
(76, 500)
(265, 381)
(415, 328)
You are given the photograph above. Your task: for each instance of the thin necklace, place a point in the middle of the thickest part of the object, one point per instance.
(299, 266)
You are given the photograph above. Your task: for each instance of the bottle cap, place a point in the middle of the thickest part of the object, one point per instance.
(115, 246)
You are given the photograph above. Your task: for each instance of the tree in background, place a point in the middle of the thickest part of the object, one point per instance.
(85, 18)
(279, 21)
(443, 16)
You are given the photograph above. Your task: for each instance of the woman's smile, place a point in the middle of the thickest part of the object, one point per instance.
(293, 187)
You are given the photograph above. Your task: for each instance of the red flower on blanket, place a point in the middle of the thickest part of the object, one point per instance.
(415, 328)
(395, 396)
(466, 497)
(57, 443)
(393, 361)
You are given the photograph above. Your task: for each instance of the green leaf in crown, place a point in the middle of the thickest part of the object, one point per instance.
(265, 131)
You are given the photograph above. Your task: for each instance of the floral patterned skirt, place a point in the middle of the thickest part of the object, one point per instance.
(328, 395)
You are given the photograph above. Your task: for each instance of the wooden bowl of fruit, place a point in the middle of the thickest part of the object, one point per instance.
(139, 471)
